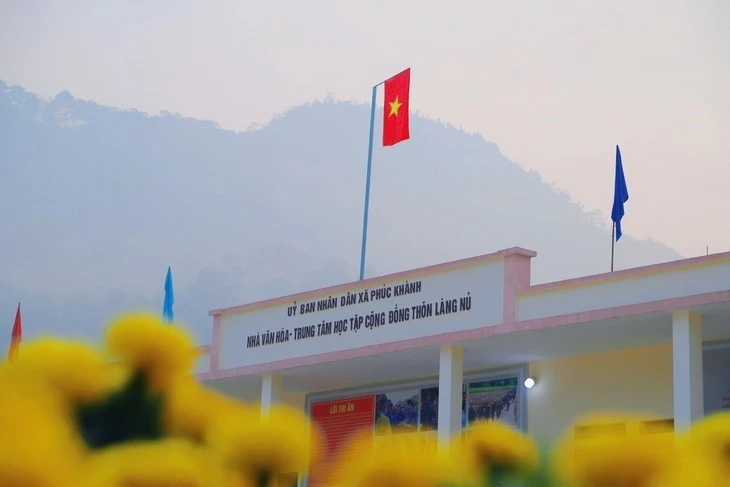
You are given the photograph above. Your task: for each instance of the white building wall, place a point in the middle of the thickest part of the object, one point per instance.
(584, 295)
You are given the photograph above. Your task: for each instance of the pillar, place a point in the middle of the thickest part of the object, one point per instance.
(272, 391)
(687, 365)
(451, 383)
(272, 388)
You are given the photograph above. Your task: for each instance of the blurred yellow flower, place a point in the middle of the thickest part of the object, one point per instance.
(494, 445)
(398, 461)
(39, 446)
(164, 463)
(75, 369)
(191, 409)
(328, 466)
(690, 470)
(118, 374)
(609, 458)
(69, 418)
(262, 446)
(711, 436)
(703, 455)
(162, 352)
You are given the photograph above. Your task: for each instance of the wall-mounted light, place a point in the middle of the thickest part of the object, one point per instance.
(530, 382)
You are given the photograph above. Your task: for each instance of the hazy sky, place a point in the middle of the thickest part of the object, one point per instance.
(556, 84)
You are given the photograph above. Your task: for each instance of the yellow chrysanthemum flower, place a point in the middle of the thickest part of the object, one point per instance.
(191, 409)
(163, 352)
(262, 446)
(398, 461)
(327, 469)
(492, 445)
(703, 455)
(628, 459)
(691, 470)
(118, 374)
(75, 369)
(711, 435)
(39, 446)
(164, 463)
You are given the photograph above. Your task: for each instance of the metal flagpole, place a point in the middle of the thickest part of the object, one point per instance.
(367, 182)
(613, 242)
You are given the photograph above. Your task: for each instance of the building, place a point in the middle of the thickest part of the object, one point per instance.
(432, 348)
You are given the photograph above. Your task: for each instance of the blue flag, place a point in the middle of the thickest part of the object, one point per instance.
(620, 195)
(169, 298)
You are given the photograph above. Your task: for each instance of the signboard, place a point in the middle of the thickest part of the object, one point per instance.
(394, 309)
(337, 421)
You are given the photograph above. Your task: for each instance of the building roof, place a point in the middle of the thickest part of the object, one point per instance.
(512, 321)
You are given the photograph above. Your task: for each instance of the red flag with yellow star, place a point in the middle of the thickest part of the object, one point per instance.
(17, 335)
(396, 127)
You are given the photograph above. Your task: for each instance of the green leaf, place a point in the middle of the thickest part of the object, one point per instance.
(132, 413)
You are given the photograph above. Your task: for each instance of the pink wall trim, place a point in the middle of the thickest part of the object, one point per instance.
(216, 343)
(462, 336)
(630, 273)
(447, 266)
(516, 279)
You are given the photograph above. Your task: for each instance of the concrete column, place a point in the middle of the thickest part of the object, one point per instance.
(687, 364)
(451, 382)
(272, 389)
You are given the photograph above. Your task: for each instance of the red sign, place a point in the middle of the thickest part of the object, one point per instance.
(338, 421)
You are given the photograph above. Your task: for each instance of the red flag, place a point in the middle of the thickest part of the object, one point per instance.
(17, 336)
(395, 115)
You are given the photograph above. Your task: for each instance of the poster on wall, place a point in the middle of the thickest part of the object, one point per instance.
(716, 380)
(409, 411)
(429, 414)
(396, 412)
(494, 400)
(337, 422)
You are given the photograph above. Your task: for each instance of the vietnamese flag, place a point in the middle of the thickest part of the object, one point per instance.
(17, 336)
(395, 115)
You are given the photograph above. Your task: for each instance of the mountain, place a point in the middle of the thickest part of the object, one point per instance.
(96, 202)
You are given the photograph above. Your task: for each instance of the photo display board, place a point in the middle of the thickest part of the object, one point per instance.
(494, 400)
(716, 380)
(410, 410)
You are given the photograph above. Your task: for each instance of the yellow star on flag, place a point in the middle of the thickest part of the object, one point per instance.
(394, 106)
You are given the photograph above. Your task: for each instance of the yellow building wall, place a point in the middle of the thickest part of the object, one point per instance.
(637, 380)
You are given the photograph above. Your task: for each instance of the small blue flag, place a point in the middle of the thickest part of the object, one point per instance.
(620, 194)
(169, 298)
